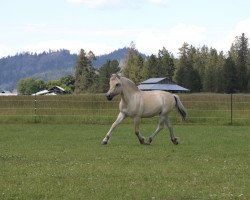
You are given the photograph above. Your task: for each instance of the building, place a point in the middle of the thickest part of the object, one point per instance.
(52, 91)
(7, 93)
(161, 84)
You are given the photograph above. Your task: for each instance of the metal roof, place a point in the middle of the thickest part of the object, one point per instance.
(42, 92)
(152, 80)
(165, 87)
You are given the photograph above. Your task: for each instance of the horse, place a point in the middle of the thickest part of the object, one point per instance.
(139, 104)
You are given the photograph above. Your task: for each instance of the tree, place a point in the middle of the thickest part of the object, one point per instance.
(110, 67)
(229, 77)
(133, 66)
(186, 75)
(151, 65)
(30, 86)
(241, 45)
(69, 82)
(165, 64)
(210, 76)
(84, 72)
(66, 82)
(248, 72)
(199, 64)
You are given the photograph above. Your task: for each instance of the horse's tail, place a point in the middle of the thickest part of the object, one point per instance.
(181, 109)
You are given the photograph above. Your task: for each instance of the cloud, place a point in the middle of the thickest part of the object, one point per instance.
(105, 4)
(224, 43)
(102, 41)
(118, 4)
(159, 2)
(5, 51)
(147, 40)
(153, 40)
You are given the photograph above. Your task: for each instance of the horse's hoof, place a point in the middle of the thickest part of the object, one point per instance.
(104, 142)
(175, 141)
(142, 141)
(149, 140)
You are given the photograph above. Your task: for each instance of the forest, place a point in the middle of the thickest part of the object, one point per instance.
(201, 69)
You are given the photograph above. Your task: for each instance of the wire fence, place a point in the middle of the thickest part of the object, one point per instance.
(202, 109)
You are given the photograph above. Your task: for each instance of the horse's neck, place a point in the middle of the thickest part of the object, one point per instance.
(129, 89)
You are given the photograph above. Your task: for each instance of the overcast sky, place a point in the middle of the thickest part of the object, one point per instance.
(106, 25)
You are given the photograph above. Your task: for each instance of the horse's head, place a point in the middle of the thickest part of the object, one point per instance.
(115, 86)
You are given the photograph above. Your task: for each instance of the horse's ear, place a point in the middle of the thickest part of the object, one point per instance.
(113, 76)
(118, 75)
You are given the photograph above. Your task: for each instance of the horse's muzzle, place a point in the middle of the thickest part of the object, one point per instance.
(109, 96)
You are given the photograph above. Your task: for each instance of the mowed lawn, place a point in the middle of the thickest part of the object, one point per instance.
(46, 161)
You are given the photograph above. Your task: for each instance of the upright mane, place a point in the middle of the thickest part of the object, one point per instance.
(130, 83)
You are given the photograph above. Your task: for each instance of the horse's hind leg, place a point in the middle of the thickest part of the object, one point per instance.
(158, 129)
(170, 128)
(137, 121)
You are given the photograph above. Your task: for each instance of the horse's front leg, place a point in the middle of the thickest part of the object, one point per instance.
(137, 121)
(119, 119)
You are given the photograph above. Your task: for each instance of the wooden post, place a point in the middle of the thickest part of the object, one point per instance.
(231, 108)
(35, 108)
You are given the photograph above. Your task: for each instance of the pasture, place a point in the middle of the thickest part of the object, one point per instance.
(67, 161)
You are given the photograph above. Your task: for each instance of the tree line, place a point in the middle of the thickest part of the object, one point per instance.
(200, 69)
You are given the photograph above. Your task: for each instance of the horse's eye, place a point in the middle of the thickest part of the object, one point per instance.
(117, 84)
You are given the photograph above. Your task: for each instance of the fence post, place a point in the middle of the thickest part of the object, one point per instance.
(231, 108)
(35, 108)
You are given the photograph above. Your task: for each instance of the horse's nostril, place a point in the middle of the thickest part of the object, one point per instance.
(109, 96)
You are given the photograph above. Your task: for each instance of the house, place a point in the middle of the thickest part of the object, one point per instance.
(57, 90)
(7, 93)
(164, 84)
(52, 91)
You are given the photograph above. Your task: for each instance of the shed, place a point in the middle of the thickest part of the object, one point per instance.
(57, 90)
(52, 91)
(164, 84)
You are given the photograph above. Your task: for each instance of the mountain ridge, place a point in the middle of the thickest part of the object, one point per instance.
(47, 65)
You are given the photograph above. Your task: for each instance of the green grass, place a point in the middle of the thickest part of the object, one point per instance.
(46, 161)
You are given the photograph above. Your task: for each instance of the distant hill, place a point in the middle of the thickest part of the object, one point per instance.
(47, 66)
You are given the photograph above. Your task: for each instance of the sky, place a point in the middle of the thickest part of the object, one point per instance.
(103, 26)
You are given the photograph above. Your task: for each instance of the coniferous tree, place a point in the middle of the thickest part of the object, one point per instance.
(182, 63)
(84, 72)
(129, 60)
(186, 75)
(248, 72)
(229, 76)
(210, 76)
(133, 67)
(152, 66)
(166, 64)
(241, 62)
(110, 67)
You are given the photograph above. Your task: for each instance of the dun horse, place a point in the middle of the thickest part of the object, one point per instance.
(142, 104)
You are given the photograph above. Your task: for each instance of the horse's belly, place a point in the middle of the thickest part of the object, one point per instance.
(151, 111)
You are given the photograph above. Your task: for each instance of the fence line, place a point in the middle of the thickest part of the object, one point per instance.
(202, 108)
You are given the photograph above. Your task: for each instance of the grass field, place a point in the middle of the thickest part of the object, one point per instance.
(48, 161)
